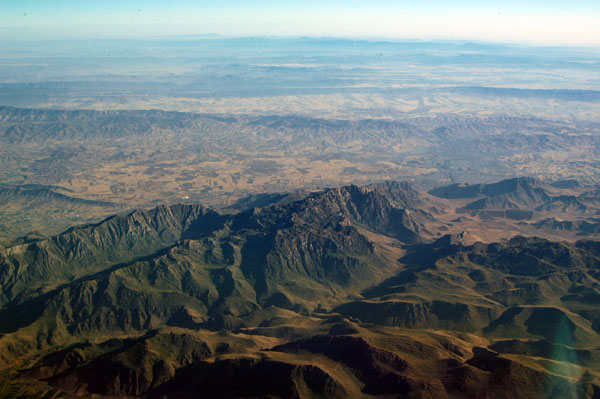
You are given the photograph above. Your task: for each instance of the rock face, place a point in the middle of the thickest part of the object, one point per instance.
(340, 293)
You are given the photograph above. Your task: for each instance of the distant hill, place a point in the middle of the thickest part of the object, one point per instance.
(520, 191)
(38, 210)
(29, 193)
(524, 198)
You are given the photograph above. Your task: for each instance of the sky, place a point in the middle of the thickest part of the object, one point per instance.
(539, 22)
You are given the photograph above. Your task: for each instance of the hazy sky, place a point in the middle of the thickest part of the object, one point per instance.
(546, 22)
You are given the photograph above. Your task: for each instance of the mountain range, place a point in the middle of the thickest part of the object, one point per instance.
(342, 292)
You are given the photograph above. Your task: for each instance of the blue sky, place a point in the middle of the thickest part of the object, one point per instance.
(575, 22)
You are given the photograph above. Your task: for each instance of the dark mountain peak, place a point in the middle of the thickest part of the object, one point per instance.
(515, 193)
(400, 192)
(462, 239)
(511, 185)
(507, 186)
(387, 208)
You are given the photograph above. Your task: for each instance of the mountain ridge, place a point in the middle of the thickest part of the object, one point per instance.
(344, 292)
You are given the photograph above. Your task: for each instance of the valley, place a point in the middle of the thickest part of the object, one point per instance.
(118, 160)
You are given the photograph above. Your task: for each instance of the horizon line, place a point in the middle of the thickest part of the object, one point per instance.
(361, 38)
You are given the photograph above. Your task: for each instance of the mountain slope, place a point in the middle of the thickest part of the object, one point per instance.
(186, 265)
(341, 293)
